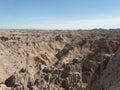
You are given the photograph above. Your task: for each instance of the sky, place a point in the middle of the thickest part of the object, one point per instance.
(59, 14)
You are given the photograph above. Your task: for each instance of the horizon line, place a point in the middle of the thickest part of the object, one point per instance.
(58, 29)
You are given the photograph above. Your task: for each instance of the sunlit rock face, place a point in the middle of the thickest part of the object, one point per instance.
(59, 60)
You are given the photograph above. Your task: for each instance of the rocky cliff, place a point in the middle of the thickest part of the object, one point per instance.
(59, 60)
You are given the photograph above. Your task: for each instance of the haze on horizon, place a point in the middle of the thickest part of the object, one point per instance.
(59, 14)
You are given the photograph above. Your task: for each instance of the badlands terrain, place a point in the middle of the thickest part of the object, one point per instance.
(60, 60)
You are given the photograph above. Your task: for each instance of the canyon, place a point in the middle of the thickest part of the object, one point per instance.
(60, 59)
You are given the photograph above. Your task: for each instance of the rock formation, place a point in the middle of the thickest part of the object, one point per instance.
(59, 60)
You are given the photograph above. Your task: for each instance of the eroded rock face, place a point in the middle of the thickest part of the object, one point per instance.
(109, 78)
(59, 60)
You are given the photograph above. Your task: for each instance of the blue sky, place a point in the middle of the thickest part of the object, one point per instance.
(59, 14)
